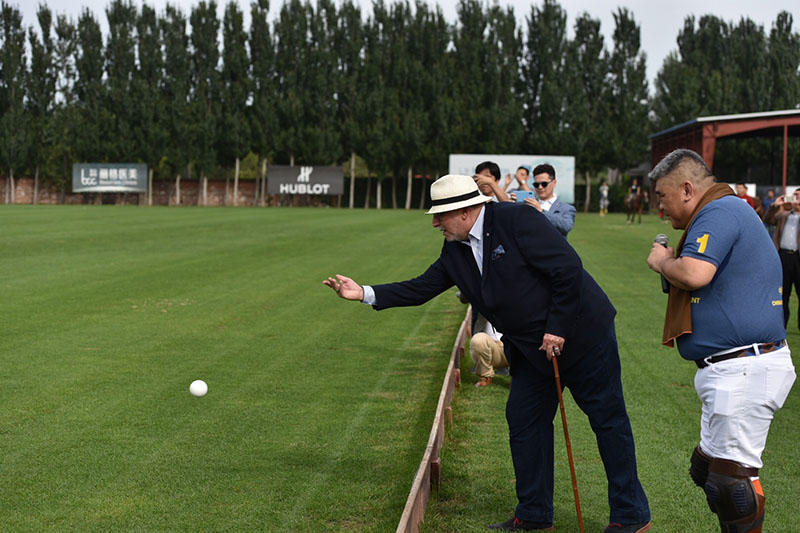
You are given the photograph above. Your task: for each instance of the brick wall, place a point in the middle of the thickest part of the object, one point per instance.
(219, 193)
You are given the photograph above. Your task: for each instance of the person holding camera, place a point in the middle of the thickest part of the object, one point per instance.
(785, 216)
(487, 176)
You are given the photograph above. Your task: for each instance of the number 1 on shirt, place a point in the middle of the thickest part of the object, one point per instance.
(703, 243)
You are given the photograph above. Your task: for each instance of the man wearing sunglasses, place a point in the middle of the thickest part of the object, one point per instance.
(560, 215)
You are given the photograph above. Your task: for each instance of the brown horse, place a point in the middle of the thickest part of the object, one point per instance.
(634, 202)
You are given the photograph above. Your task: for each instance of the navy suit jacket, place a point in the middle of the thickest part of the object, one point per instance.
(533, 283)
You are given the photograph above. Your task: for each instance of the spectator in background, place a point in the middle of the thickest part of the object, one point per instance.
(560, 215)
(520, 181)
(487, 176)
(741, 192)
(755, 203)
(603, 198)
(766, 203)
(768, 200)
(787, 240)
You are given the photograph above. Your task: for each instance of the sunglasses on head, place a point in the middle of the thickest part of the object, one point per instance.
(542, 184)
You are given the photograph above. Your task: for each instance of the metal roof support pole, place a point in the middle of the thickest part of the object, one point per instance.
(785, 153)
(709, 144)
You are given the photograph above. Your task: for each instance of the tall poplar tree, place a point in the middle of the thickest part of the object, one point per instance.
(441, 106)
(120, 101)
(41, 89)
(320, 130)
(175, 89)
(63, 150)
(627, 96)
(783, 63)
(92, 122)
(415, 123)
(148, 106)
(586, 113)
(382, 100)
(749, 65)
(262, 114)
(292, 58)
(233, 134)
(204, 106)
(545, 79)
(14, 132)
(350, 44)
(486, 54)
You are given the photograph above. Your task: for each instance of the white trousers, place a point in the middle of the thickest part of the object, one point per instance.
(740, 397)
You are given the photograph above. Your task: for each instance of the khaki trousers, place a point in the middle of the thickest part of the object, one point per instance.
(487, 354)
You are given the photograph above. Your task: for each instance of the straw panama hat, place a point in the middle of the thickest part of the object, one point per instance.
(452, 192)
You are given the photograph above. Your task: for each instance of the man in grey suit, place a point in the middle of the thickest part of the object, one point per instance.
(560, 215)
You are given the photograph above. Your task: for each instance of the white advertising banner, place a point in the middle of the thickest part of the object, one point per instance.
(109, 177)
(564, 166)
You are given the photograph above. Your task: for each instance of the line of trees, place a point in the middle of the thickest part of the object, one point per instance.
(191, 95)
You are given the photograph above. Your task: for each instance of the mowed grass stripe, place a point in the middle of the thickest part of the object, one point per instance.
(318, 411)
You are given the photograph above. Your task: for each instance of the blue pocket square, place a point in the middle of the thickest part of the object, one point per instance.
(497, 252)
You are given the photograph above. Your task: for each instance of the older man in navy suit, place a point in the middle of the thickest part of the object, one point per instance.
(552, 308)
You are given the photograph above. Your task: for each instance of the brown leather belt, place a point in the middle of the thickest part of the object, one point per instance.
(765, 348)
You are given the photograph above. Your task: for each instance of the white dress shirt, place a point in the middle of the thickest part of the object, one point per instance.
(789, 235)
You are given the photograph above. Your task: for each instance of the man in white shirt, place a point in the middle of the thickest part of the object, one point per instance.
(786, 238)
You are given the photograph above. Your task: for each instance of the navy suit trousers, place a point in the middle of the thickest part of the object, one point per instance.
(595, 384)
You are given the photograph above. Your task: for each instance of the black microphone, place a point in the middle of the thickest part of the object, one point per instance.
(663, 240)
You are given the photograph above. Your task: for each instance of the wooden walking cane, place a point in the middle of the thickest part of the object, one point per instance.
(569, 446)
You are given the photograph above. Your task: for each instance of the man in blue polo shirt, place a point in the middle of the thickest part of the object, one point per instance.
(725, 311)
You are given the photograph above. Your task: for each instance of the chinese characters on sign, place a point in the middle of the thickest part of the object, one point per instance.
(109, 177)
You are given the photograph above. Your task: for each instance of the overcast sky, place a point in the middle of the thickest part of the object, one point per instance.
(659, 20)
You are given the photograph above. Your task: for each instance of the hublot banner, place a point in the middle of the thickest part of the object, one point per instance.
(328, 181)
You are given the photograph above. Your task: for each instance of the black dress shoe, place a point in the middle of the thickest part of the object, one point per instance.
(515, 524)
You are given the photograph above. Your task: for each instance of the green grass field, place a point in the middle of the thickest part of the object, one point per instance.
(317, 413)
(318, 410)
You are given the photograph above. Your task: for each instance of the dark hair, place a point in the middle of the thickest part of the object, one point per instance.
(525, 169)
(491, 166)
(696, 167)
(542, 169)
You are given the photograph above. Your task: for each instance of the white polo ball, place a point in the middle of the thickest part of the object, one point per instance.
(198, 388)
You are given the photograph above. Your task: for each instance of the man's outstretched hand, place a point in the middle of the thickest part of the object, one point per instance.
(345, 287)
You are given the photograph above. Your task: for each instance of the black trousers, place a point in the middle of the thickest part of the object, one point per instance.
(790, 263)
(532, 405)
